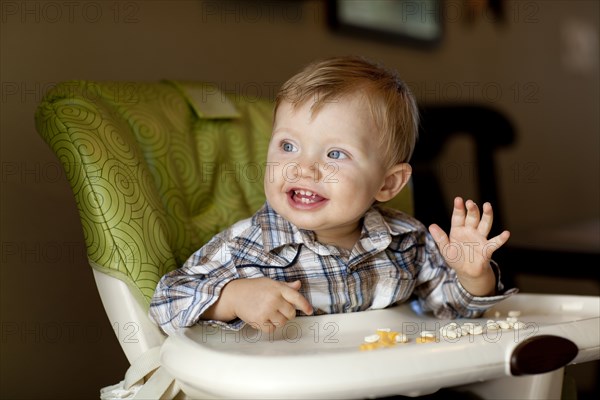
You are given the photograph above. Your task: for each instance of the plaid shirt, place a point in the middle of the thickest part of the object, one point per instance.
(394, 259)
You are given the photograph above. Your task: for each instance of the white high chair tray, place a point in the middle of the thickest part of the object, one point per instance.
(319, 356)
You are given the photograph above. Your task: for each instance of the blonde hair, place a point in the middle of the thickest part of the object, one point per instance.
(392, 105)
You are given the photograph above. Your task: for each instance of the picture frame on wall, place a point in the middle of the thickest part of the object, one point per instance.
(412, 22)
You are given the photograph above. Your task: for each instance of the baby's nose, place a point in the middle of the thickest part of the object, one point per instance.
(309, 168)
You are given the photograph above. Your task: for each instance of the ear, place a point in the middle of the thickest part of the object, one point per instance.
(395, 179)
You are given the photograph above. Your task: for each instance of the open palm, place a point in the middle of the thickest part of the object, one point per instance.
(468, 250)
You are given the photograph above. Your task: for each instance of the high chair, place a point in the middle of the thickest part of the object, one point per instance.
(158, 168)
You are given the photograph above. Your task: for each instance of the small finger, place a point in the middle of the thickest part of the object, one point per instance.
(458, 213)
(439, 236)
(501, 238)
(496, 242)
(277, 319)
(294, 285)
(288, 311)
(472, 219)
(485, 225)
(297, 300)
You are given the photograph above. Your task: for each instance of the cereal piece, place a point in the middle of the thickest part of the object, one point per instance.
(497, 314)
(401, 338)
(477, 330)
(514, 313)
(504, 324)
(492, 326)
(384, 337)
(519, 325)
(451, 331)
(467, 328)
(368, 346)
(426, 337)
(372, 338)
(387, 336)
(511, 320)
(451, 334)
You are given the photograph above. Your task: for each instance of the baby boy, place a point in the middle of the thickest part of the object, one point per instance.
(343, 133)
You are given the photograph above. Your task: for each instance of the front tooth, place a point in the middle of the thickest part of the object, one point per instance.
(302, 192)
(309, 193)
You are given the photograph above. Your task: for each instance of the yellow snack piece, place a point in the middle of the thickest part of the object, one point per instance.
(368, 346)
(387, 338)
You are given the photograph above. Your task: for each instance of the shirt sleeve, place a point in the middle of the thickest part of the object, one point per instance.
(439, 290)
(184, 294)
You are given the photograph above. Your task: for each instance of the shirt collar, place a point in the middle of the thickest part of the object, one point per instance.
(278, 232)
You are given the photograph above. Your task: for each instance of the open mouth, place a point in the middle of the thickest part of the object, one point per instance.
(305, 198)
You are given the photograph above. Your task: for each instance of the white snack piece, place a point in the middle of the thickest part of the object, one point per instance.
(514, 313)
(451, 331)
(454, 330)
(451, 334)
(504, 324)
(463, 331)
(519, 325)
(492, 325)
(401, 338)
(372, 338)
(468, 328)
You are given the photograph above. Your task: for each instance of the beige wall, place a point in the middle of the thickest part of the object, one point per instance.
(53, 327)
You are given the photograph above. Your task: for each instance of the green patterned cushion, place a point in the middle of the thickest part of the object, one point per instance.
(157, 169)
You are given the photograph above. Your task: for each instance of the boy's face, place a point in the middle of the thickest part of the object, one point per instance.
(324, 169)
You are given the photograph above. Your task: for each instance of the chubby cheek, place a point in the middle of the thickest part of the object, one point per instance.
(273, 184)
(269, 187)
(356, 181)
(340, 179)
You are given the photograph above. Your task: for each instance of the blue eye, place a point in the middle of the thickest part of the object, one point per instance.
(336, 154)
(288, 147)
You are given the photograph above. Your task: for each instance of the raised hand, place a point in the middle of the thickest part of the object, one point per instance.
(468, 250)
